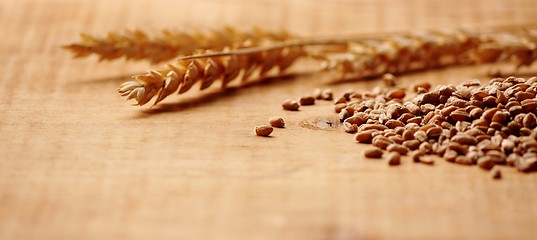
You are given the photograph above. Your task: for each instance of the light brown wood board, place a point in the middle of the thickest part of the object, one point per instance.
(78, 162)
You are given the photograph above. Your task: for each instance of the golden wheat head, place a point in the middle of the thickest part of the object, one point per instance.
(425, 50)
(169, 44)
(184, 73)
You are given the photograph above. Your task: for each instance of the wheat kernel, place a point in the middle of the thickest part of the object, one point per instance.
(393, 158)
(327, 95)
(263, 131)
(364, 136)
(290, 105)
(389, 80)
(318, 93)
(394, 147)
(485, 162)
(350, 128)
(426, 160)
(495, 173)
(307, 100)
(277, 122)
(373, 153)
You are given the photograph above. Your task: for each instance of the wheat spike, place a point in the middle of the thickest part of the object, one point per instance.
(184, 73)
(169, 44)
(426, 50)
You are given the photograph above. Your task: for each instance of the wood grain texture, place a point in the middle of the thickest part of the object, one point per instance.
(77, 162)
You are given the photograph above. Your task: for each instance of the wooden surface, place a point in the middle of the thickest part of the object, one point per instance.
(77, 162)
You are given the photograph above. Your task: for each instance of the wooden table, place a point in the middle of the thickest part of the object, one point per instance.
(77, 162)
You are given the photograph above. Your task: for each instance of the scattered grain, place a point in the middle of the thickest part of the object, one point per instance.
(290, 105)
(389, 80)
(450, 155)
(529, 121)
(485, 162)
(364, 136)
(412, 144)
(426, 160)
(350, 128)
(327, 95)
(398, 93)
(393, 158)
(263, 131)
(465, 139)
(318, 93)
(394, 147)
(495, 173)
(464, 160)
(277, 122)
(373, 153)
(309, 100)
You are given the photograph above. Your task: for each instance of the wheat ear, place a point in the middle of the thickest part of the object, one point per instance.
(169, 44)
(184, 73)
(426, 50)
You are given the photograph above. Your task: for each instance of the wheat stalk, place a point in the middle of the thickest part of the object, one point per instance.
(362, 57)
(168, 44)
